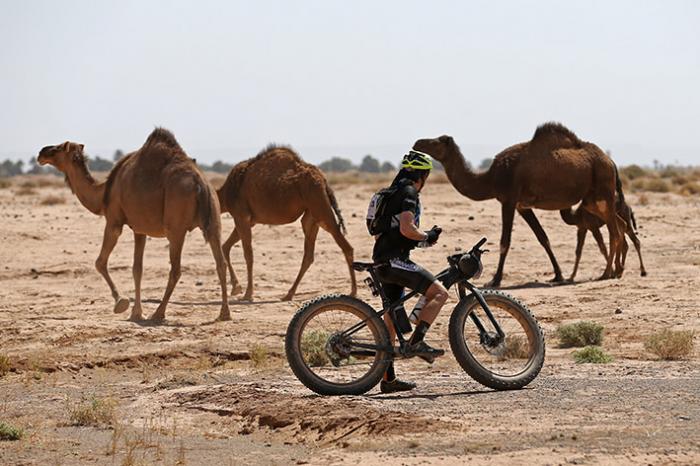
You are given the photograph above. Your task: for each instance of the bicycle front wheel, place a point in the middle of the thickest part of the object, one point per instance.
(328, 359)
(505, 361)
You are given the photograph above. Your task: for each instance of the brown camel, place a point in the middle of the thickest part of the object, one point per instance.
(277, 187)
(585, 221)
(553, 171)
(157, 191)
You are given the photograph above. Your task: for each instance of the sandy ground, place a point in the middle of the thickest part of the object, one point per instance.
(186, 392)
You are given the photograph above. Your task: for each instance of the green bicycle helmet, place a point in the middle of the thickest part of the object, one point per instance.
(417, 161)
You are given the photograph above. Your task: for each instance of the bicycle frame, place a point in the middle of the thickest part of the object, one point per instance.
(448, 278)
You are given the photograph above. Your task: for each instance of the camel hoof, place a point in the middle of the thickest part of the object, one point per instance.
(157, 317)
(121, 305)
(644, 273)
(287, 297)
(247, 297)
(135, 318)
(224, 317)
(236, 289)
(557, 279)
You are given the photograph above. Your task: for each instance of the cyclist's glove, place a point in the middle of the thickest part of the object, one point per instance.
(433, 235)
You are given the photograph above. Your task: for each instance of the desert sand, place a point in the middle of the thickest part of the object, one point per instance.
(187, 391)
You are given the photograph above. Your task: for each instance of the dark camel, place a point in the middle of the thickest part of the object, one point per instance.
(553, 171)
(277, 187)
(586, 221)
(157, 191)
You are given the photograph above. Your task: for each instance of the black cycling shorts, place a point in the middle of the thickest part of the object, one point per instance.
(406, 273)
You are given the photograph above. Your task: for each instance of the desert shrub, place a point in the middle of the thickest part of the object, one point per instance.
(313, 348)
(25, 191)
(643, 199)
(5, 364)
(581, 333)
(8, 432)
(690, 188)
(670, 344)
(48, 182)
(633, 171)
(5, 183)
(52, 200)
(592, 354)
(657, 185)
(92, 412)
(516, 347)
(258, 355)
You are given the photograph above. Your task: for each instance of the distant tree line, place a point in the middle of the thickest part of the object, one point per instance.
(369, 164)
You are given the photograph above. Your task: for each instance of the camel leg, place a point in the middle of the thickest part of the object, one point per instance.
(310, 227)
(218, 253)
(176, 243)
(599, 240)
(137, 269)
(109, 240)
(638, 247)
(246, 235)
(531, 219)
(332, 227)
(228, 244)
(621, 254)
(507, 214)
(580, 240)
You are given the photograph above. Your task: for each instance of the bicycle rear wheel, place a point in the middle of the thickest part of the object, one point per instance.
(500, 362)
(329, 362)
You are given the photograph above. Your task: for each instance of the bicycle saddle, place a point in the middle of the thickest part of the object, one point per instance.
(363, 266)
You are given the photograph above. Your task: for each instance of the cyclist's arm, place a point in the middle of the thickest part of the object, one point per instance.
(408, 228)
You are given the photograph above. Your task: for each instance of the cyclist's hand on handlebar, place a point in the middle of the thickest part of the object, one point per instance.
(433, 235)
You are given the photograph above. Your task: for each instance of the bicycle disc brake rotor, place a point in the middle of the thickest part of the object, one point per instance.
(337, 348)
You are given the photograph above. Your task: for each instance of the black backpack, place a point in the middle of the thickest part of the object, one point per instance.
(378, 219)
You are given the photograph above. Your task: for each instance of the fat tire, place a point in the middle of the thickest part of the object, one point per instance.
(306, 376)
(471, 366)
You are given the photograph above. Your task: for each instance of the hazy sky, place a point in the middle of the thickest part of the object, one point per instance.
(348, 78)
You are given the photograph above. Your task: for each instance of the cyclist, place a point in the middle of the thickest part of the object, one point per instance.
(392, 249)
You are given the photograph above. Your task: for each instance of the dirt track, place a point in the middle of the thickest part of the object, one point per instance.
(186, 390)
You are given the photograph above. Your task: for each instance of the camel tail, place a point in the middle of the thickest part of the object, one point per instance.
(618, 186)
(336, 209)
(634, 222)
(569, 216)
(206, 209)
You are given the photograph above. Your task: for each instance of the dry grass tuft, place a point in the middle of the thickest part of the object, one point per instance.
(53, 200)
(5, 364)
(259, 355)
(579, 334)
(5, 183)
(592, 355)
(671, 345)
(313, 348)
(94, 412)
(643, 199)
(9, 432)
(516, 347)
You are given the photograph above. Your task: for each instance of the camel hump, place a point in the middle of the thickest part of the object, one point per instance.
(555, 133)
(161, 136)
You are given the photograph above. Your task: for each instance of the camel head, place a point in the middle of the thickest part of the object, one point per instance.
(62, 155)
(441, 148)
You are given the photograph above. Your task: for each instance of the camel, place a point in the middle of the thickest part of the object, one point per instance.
(157, 191)
(277, 187)
(585, 221)
(552, 171)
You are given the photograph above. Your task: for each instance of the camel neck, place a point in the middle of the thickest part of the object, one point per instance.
(84, 186)
(476, 186)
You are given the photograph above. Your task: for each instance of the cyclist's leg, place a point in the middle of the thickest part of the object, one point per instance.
(436, 295)
(393, 293)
